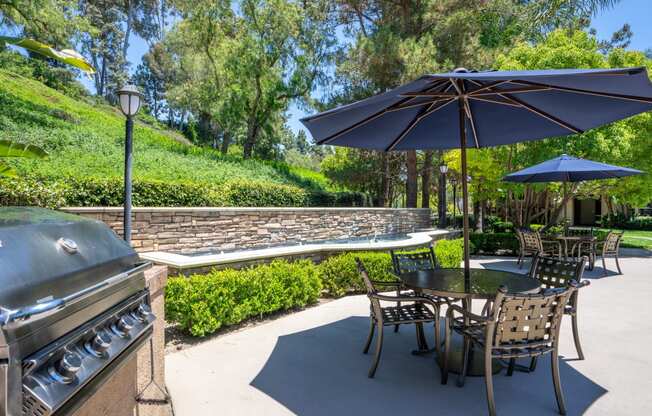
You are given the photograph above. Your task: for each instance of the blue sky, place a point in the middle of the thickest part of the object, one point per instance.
(635, 12)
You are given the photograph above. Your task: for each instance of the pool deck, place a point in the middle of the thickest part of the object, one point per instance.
(182, 261)
(311, 363)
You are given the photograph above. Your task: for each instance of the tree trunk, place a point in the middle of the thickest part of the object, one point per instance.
(411, 183)
(383, 195)
(130, 18)
(252, 135)
(226, 140)
(426, 173)
(477, 215)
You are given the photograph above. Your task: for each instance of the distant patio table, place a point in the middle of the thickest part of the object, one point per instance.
(482, 284)
(573, 240)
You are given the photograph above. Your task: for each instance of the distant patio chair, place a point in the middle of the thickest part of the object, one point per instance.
(516, 326)
(531, 244)
(415, 312)
(609, 247)
(555, 273)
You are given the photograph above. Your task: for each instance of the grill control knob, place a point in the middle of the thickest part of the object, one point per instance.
(101, 342)
(68, 366)
(123, 325)
(142, 312)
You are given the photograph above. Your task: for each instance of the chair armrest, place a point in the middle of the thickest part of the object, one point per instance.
(404, 298)
(383, 283)
(583, 283)
(465, 313)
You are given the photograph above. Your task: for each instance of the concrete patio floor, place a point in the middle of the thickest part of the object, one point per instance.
(310, 362)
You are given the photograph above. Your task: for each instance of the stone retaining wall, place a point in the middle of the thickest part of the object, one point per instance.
(189, 230)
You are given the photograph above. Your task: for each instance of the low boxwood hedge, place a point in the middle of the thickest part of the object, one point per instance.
(494, 243)
(201, 304)
(57, 192)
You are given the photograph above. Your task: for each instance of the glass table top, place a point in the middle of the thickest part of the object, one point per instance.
(483, 283)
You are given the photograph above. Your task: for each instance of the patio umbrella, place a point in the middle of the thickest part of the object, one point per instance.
(464, 109)
(569, 169)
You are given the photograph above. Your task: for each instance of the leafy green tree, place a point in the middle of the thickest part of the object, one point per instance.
(627, 142)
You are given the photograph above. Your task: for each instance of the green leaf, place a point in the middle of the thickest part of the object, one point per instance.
(7, 171)
(67, 56)
(12, 149)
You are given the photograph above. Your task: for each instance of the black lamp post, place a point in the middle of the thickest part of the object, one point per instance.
(443, 169)
(130, 99)
(454, 183)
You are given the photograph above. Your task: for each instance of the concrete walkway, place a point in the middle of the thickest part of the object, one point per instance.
(310, 363)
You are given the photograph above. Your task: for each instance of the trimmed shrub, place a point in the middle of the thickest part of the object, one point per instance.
(339, 274)
(30, 192)
(494, 243)
(450, 253)
(260, 194)
(202, 304)
(643, 223)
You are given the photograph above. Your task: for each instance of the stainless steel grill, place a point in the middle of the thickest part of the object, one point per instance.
(73, 309)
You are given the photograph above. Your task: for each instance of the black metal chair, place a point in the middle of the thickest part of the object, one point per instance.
(415, 312)
(516, 326)
(415, 261)
(555, 273)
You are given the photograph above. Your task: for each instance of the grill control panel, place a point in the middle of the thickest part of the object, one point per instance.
(59, 371)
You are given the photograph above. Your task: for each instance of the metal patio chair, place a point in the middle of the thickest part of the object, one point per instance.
(609, 247)
(517, 326)
(556, 273)
(415, 311)
(414, 261)
(531, 244)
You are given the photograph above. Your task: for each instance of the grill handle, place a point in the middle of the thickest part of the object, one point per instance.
(8, 316)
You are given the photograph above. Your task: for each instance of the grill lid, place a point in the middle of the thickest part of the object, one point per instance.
(47, 255)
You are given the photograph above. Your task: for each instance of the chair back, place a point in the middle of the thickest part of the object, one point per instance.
(371, 289)
(527, 321)
(412, 262)
(612, 242)
(530, 240)
(579, 231)
(555, 273)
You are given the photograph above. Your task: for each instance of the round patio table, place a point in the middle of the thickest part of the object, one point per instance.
(481, 284)
(573, 239)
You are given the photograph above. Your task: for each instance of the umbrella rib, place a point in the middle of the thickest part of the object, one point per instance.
(335, 111)
(545, 115)
(512, 91)
(647, 100)
(414, 122)
(469, 113)
(368, 119)
(484, 87)
(489, 100)
(539, 112)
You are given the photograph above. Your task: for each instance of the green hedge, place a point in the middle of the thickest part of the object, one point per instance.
(339, 274)
(494, 243)
(202, 304)
(643, 222)
(84, 192)
(109, 192)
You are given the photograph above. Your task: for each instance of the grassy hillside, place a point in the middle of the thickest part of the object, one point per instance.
(85, 141)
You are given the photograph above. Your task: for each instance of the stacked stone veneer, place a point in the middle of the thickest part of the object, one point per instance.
(190, 230)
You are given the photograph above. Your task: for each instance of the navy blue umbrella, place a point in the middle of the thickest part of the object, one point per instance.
(569, 169)
(464, 109)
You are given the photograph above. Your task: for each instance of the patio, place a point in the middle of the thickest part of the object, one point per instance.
(310, 362)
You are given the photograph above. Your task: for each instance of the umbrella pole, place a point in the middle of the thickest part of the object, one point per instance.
(565, 202)
(465, 193)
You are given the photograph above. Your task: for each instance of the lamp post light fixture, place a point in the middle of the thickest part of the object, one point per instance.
(130, 100)
(443, 169)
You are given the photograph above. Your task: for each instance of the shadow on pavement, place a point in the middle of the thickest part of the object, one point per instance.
(322, 371)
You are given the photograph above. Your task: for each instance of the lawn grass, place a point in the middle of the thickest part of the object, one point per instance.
(635, 238)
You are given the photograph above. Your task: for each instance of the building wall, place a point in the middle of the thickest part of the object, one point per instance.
(189, 230)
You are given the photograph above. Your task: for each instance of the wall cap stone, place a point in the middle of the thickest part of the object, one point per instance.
(118, 210)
